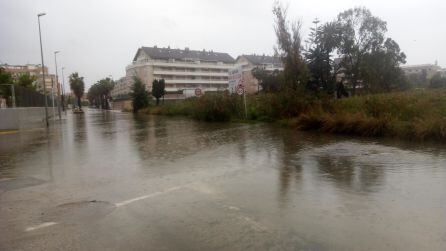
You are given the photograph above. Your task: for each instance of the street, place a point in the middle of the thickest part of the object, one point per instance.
(116, 181)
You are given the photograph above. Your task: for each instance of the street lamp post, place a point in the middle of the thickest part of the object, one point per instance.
(57, 84)
(43, 69)
(63, 91)
(13, 96)
(52, 98)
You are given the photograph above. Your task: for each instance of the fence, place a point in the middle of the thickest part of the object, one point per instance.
(26, 97)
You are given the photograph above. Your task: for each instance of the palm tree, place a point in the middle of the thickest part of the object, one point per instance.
(99, 93)
(77, 86)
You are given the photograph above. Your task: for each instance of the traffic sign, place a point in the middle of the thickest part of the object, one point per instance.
(198, 92)
(235, 77)
(240, 90)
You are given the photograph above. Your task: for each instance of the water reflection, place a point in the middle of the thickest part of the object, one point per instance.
(295, 182)
(79, 127)
(290, 166)
(360, 171)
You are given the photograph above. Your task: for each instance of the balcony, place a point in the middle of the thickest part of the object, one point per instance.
(195, 81)
(181, 64)
(191, 73)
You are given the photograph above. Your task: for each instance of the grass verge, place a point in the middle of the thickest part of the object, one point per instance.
(414, 114)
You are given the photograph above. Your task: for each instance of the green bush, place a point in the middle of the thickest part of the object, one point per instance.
(215, 107)
(411, 114)
(414, 114)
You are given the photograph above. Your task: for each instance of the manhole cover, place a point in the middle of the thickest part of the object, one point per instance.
(75, 212)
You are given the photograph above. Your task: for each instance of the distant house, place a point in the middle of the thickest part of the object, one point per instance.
(183, 70)
(427, 70)
(442, 72)
(34, 70)
(122, 88)
(420, 75)
(249, 62)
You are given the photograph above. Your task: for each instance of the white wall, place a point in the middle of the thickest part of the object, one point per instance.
(22, 118)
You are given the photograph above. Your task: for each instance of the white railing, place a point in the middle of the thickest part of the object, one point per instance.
(190, 73)
(182, 64)
(195, 81)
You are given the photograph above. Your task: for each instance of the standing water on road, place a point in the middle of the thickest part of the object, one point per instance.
(115, 181)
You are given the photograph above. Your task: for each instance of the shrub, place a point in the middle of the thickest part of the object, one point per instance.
(140, 96)
(214, 107)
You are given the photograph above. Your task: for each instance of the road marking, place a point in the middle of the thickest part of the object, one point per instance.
(126, 202)
(43, 225)
(203, 188)
(8, 132)
(232, 208)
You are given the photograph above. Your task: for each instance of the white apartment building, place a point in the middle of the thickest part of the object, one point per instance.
(183, 70)
(122, 88)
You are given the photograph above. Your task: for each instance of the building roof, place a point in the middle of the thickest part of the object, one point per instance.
(421, 66)
(263, 60)
(25, 66)
(178, 54)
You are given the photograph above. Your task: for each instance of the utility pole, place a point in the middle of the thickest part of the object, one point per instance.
(43, 69)
(58, 86)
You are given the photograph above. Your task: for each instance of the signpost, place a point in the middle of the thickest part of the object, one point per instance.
(240, 90)
(198, 92)
(235, 79)
(237, 85)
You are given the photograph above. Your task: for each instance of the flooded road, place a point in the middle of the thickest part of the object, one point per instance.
(113, 181)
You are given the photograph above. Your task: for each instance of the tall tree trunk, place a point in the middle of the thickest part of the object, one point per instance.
(157, 101)
(79, 103)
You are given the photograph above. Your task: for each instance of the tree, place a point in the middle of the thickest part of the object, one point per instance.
(289, 48)
(5, 83)
(158, 89)
(140, 96)
(360, 33)
(381, 68)
(270, 81)
(106, 85)
(77, 86)
(418, 80)
(27, 81)
(437, 81)
(99, 93)
(323, 40)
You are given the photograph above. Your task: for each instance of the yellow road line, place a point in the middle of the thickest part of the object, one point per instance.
(8, 132)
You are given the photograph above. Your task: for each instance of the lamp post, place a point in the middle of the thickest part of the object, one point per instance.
(43, 69)
(52, 98)
(57, 84)
(63, 91)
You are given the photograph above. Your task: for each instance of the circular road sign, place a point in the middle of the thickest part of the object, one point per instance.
(198, 92)
(240, 90)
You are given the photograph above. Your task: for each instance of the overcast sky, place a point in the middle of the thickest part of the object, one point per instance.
(98, 38)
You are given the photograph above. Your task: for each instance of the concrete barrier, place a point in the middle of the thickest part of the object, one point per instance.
(22, 118)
